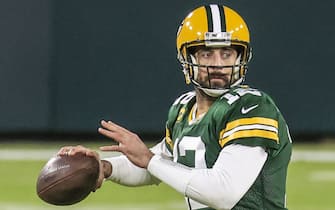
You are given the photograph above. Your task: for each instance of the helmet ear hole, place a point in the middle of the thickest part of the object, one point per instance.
(192, 50)
(239, 49)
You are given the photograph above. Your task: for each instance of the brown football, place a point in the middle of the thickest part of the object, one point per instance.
(66, 180)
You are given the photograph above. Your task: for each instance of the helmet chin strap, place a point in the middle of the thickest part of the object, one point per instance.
(236, 69)
(214, 93)
(195, 68)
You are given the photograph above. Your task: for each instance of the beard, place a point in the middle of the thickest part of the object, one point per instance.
(215, 80)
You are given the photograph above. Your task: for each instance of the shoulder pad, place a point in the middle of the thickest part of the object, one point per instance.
(184, 99)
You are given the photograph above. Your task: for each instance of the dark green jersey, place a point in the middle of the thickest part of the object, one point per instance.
(241, 116)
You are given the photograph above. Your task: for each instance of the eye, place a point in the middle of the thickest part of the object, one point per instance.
(226, 54)
(205, 53)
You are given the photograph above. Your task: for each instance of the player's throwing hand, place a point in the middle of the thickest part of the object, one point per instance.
(129, 143)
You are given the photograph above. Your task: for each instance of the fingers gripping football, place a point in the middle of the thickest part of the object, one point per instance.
(79, 149)
(73, 150)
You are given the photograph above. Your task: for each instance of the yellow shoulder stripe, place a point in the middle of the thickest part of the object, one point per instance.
(250, 133)
(252, 120)
(168, 138)
(250, 127)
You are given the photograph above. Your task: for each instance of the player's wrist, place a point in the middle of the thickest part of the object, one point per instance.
(107, 168)
(148, 157)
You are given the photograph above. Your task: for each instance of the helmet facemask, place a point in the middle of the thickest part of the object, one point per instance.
(191, 67)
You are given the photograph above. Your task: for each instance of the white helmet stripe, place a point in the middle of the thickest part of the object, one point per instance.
(216, 19)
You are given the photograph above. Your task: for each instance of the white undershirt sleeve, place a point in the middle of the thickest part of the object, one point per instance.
(220, 187)
(126, 173)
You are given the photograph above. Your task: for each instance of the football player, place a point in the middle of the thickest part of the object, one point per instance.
(227, 146)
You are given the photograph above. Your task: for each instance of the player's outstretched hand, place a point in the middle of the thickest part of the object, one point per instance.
(129, 143)
(73, 150)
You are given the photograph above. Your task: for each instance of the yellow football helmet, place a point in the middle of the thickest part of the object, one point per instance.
(213, 26)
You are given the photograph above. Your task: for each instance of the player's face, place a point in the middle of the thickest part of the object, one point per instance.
(215, 75)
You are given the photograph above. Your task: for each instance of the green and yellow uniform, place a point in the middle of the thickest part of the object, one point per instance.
(243, 116)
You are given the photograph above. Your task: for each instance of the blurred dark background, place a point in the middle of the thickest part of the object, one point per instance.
(67, 64)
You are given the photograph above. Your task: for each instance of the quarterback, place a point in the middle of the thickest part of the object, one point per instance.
(227, 146)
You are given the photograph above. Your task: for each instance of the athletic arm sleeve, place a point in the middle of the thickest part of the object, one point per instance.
(220, 187)
(126, 173)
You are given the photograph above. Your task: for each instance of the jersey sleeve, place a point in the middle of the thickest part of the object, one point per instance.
(220, 187)
(252, 121)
